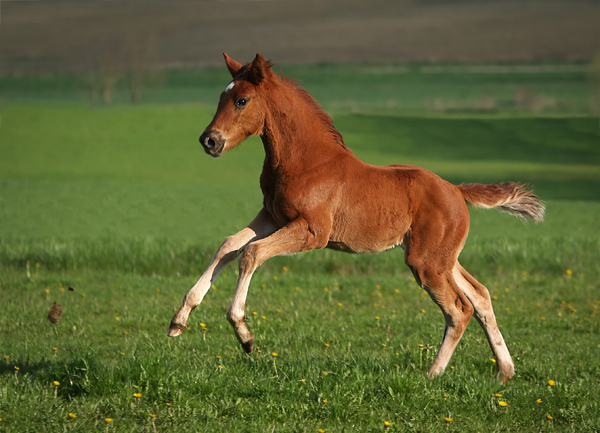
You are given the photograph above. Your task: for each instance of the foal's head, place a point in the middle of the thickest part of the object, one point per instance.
(241, 110)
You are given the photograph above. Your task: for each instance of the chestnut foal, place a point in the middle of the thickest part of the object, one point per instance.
(317, 194)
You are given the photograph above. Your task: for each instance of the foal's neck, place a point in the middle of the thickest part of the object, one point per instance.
(297, 132)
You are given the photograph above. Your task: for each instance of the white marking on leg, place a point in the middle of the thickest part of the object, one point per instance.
(263, 225)
(484, 313)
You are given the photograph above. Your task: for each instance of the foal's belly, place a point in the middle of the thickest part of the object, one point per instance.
(359, 247)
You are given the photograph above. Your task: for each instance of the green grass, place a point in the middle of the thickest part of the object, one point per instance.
(122, 204)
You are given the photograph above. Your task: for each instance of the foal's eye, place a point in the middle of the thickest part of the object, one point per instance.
(242, 102)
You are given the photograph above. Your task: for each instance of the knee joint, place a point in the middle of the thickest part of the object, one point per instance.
(249, 259)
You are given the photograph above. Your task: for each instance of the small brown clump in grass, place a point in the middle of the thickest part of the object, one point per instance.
(55, 313)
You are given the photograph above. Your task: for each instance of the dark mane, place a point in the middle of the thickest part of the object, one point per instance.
(312, 102)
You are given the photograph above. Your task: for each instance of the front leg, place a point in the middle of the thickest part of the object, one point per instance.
(263, 225)
(294, 238)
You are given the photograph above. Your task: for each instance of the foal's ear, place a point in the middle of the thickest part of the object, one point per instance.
(259, 69)
(233, 65)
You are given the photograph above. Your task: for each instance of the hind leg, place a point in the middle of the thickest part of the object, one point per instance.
(455, 306)
(479, 296)
(431, 250)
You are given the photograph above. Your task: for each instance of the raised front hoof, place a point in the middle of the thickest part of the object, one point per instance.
(506, 378)
(175, 330)
(248, 346)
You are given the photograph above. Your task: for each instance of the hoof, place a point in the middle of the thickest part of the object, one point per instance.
(175, 330)
(505, 379)
(248, 346)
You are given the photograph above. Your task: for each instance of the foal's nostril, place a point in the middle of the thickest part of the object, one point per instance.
(212, 142)
(209, 142)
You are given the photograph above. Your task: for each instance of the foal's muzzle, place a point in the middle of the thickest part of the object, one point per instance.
(213, 142)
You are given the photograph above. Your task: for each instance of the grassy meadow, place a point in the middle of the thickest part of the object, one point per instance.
(113, 211)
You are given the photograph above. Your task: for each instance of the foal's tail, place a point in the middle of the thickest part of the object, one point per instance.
(510, 197)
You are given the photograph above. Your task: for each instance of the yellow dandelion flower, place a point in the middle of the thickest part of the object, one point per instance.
(17, 368)
(275, 277)
(274, 354)
(420, 345)
(6, 357)
(386, 424)
(220, 367)
(285, 269)
(56, 383)
(122, 353)
(549, 417)
(325, 373)
(493, 360)
(377, 317)
(151, 415)
(168, 404)
(502, 403)
(117, 318)
(539, 401)
(452, 367)
(422, 311)
(321, 430)
(55, 349)
(302, 380)
(383, 345)
(551, 382)
(47, 291)
(254, 313)
(542, 318)
(72, 415)
(340, 304)
(448, 419)
(263, 317)
(108, 420)
(324, 401)
(137, 394)
(568, 272)
(498, 395)
(218, 356)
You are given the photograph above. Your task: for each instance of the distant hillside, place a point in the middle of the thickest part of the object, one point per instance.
(93, 35)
